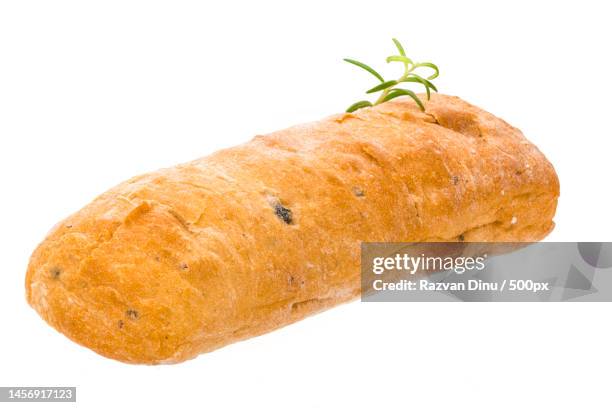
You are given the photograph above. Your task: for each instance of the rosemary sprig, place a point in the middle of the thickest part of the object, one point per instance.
(388, 88)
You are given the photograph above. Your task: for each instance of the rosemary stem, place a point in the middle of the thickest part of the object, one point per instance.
(385, 92)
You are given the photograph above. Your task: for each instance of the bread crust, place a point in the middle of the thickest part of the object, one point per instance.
(184, 260)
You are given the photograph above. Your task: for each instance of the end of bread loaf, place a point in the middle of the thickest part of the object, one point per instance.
(184, 260)
(130, 307)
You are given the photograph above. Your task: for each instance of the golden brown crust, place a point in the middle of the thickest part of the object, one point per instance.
(184, 260)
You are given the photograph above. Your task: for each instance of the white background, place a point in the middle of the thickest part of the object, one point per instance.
(92, 93)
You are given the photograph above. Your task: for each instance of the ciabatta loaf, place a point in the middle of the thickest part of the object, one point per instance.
(184, 260)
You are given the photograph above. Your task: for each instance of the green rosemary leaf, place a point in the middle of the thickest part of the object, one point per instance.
(429, 65)
(420, 81)
(394, 93)
(382, 86)
(399, 47)
(400, 58)
(417, 78)
(366, 67)
(358, 105)
(423, 81)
